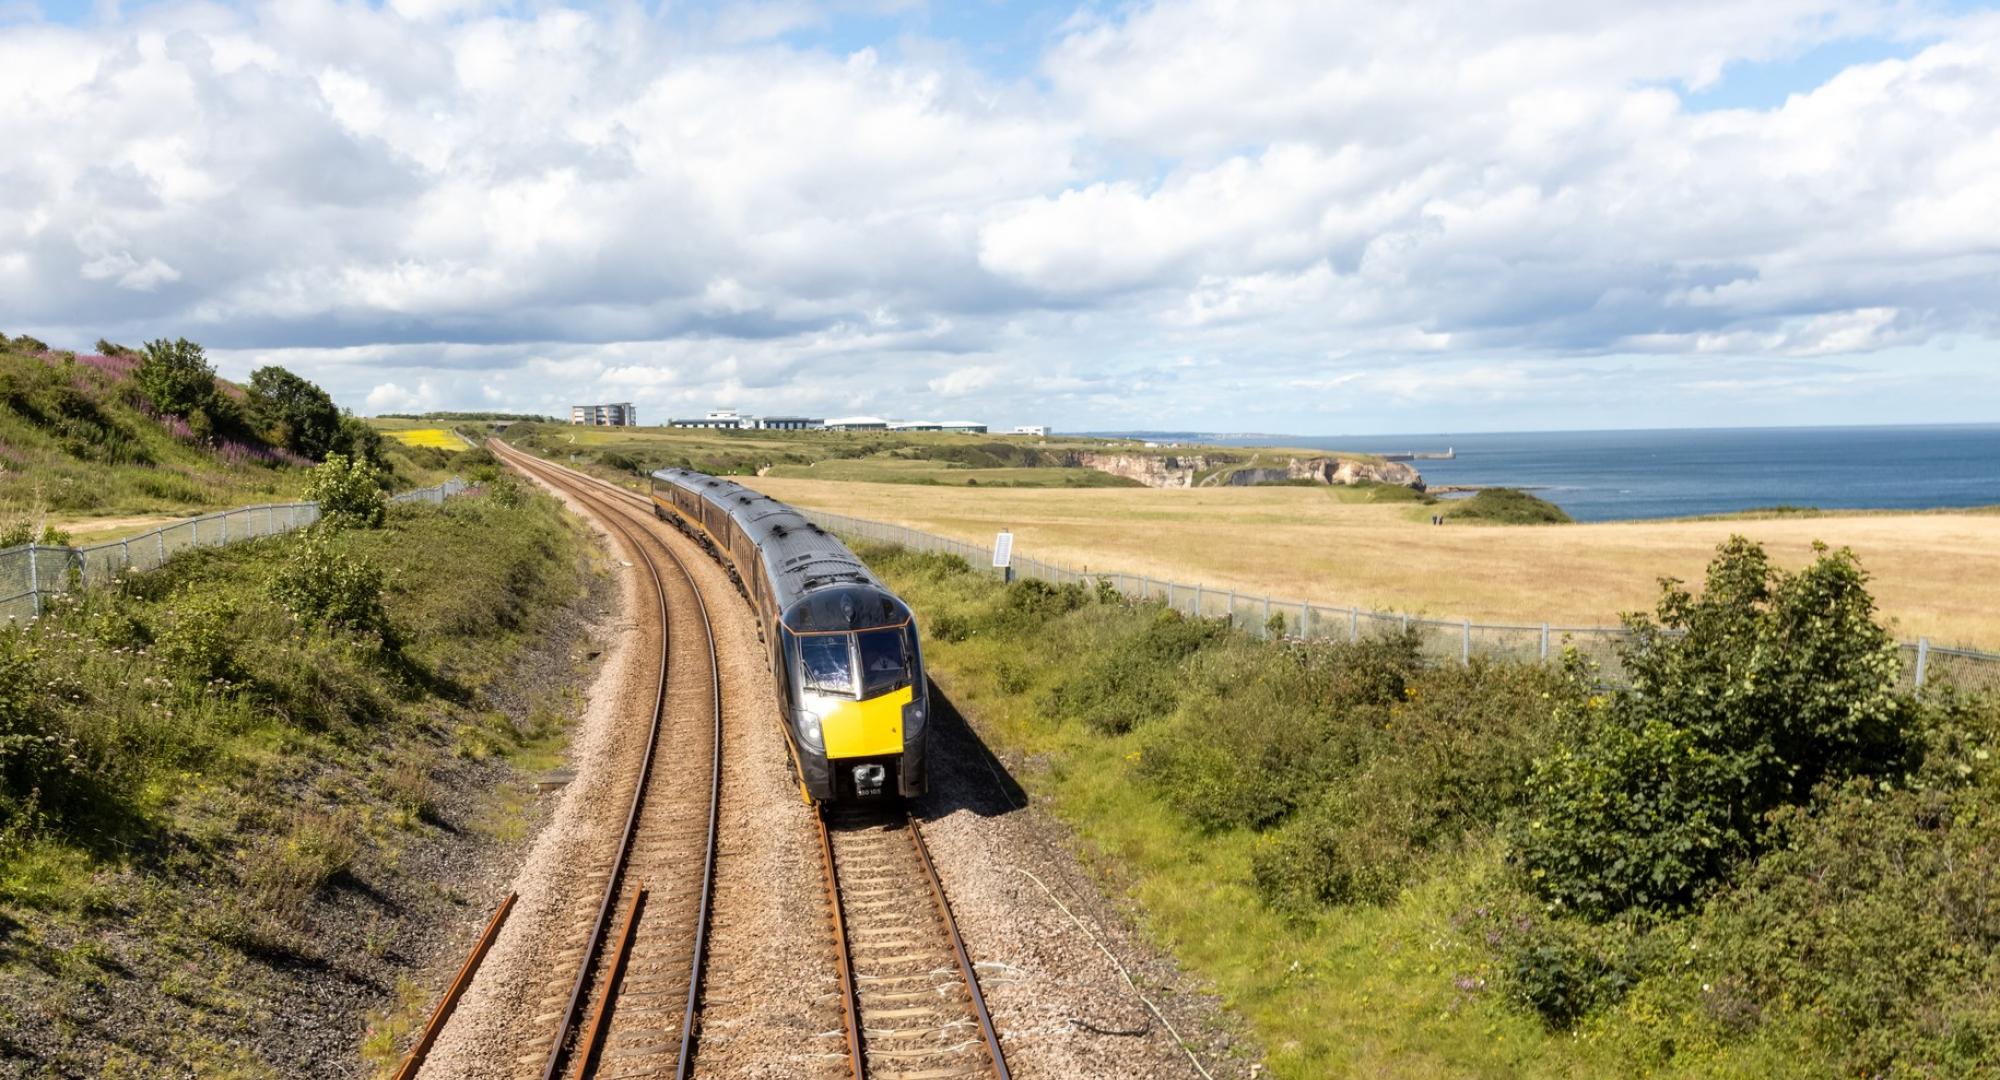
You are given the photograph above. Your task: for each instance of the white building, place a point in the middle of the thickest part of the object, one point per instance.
(617, 414)
(1031, 429)
(856, 423)
(971, 427)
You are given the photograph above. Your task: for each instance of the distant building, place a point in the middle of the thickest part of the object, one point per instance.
(962, 426)
(856, 423)
(617, 414)
(716, 418)
(788, 423)
(1031, 429)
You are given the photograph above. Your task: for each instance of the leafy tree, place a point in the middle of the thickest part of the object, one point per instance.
(177, 378)
(1742, 701)
(294, 413)
(358, 440)
(348, 491)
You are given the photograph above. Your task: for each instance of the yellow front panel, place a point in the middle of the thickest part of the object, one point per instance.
(867, 728)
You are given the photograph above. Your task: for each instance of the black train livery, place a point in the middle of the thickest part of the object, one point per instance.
(843, 648)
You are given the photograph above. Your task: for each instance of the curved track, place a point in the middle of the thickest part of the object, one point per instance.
(910, 996)
(642, 988)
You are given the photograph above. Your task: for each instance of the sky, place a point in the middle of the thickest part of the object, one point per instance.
(1319, 218)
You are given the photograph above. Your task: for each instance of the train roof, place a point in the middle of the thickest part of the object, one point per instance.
(817, 582)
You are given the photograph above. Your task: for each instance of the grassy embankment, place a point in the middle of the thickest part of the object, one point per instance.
(1935, 573)
(213, 779)
(1354, 848)
(83, 450)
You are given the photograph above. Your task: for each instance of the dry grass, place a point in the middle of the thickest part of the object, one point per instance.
(1936, 574)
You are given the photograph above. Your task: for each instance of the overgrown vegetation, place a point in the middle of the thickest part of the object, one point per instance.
(1763, 856)
(197, 765)
(1507, 506)
(153, 430)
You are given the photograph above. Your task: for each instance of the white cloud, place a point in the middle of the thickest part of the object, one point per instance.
(427, 193)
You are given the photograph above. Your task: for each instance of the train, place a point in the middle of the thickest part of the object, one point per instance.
(843, 648)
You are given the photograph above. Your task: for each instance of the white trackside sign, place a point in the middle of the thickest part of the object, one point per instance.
(1003, 550)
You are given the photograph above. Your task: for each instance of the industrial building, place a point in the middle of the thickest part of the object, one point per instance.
(857, 423)
(1031, 429)
(617, 414)
(963, 426)
(730, 419)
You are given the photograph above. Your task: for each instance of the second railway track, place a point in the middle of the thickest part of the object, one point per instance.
(632, 1004)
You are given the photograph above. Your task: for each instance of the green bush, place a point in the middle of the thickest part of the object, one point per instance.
(38, 760)
(1507, 506)
(197, 638)
(348, 491)
(1454, 755)
(177, 378)
(1742, 701)
(323, 582)
(1132, 673)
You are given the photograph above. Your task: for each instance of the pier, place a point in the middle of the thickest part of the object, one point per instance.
(1447, 454)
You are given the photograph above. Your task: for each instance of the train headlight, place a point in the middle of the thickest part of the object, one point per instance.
(913, 719)
(807, 723)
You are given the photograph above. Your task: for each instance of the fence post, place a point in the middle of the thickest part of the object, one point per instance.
(34, 579)
(1231, 616)
(225, 526)
(1465, 645)
(1923, 659)
(1545, 641)
(1305, 620)
(160, 539)
(1353, 624)
(127, 544)
(1197, 599)
(1406, 622)
(1267, 616)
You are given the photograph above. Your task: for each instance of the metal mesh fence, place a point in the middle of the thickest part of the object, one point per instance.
(1444, 639)
(29, 574)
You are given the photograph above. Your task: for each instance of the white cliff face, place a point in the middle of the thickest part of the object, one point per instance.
(1181, 470)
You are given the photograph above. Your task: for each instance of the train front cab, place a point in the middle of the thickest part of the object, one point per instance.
(860, 708)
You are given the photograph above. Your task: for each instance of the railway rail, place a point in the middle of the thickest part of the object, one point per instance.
(913, 1007)
(643, 986)
(910, 996)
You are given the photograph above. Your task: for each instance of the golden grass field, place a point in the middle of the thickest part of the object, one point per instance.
(437, 438)
(1935, 574)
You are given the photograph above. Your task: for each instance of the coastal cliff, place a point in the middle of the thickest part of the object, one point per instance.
(1210, 470)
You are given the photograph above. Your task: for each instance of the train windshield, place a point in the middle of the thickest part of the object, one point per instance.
(885, 660)
(825, 663)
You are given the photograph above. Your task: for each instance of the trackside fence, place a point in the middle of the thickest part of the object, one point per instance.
(31, 573)
(1454, 639)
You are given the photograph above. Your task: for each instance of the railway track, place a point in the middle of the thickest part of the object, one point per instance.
(910, 996)
(632, 1005)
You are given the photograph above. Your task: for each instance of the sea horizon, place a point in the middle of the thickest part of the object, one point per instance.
(1609, 474)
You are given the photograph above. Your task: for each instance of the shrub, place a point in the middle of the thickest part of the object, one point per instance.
(1131, 677)
(1508, 506)
(348, 491)
(1742, 701)
(37, 758)
(196, 640)
(323, 582)
(1454, 757)
(176, 377)
(1880, 916)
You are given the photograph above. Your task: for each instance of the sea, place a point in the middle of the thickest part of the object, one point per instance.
(1612, 475)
